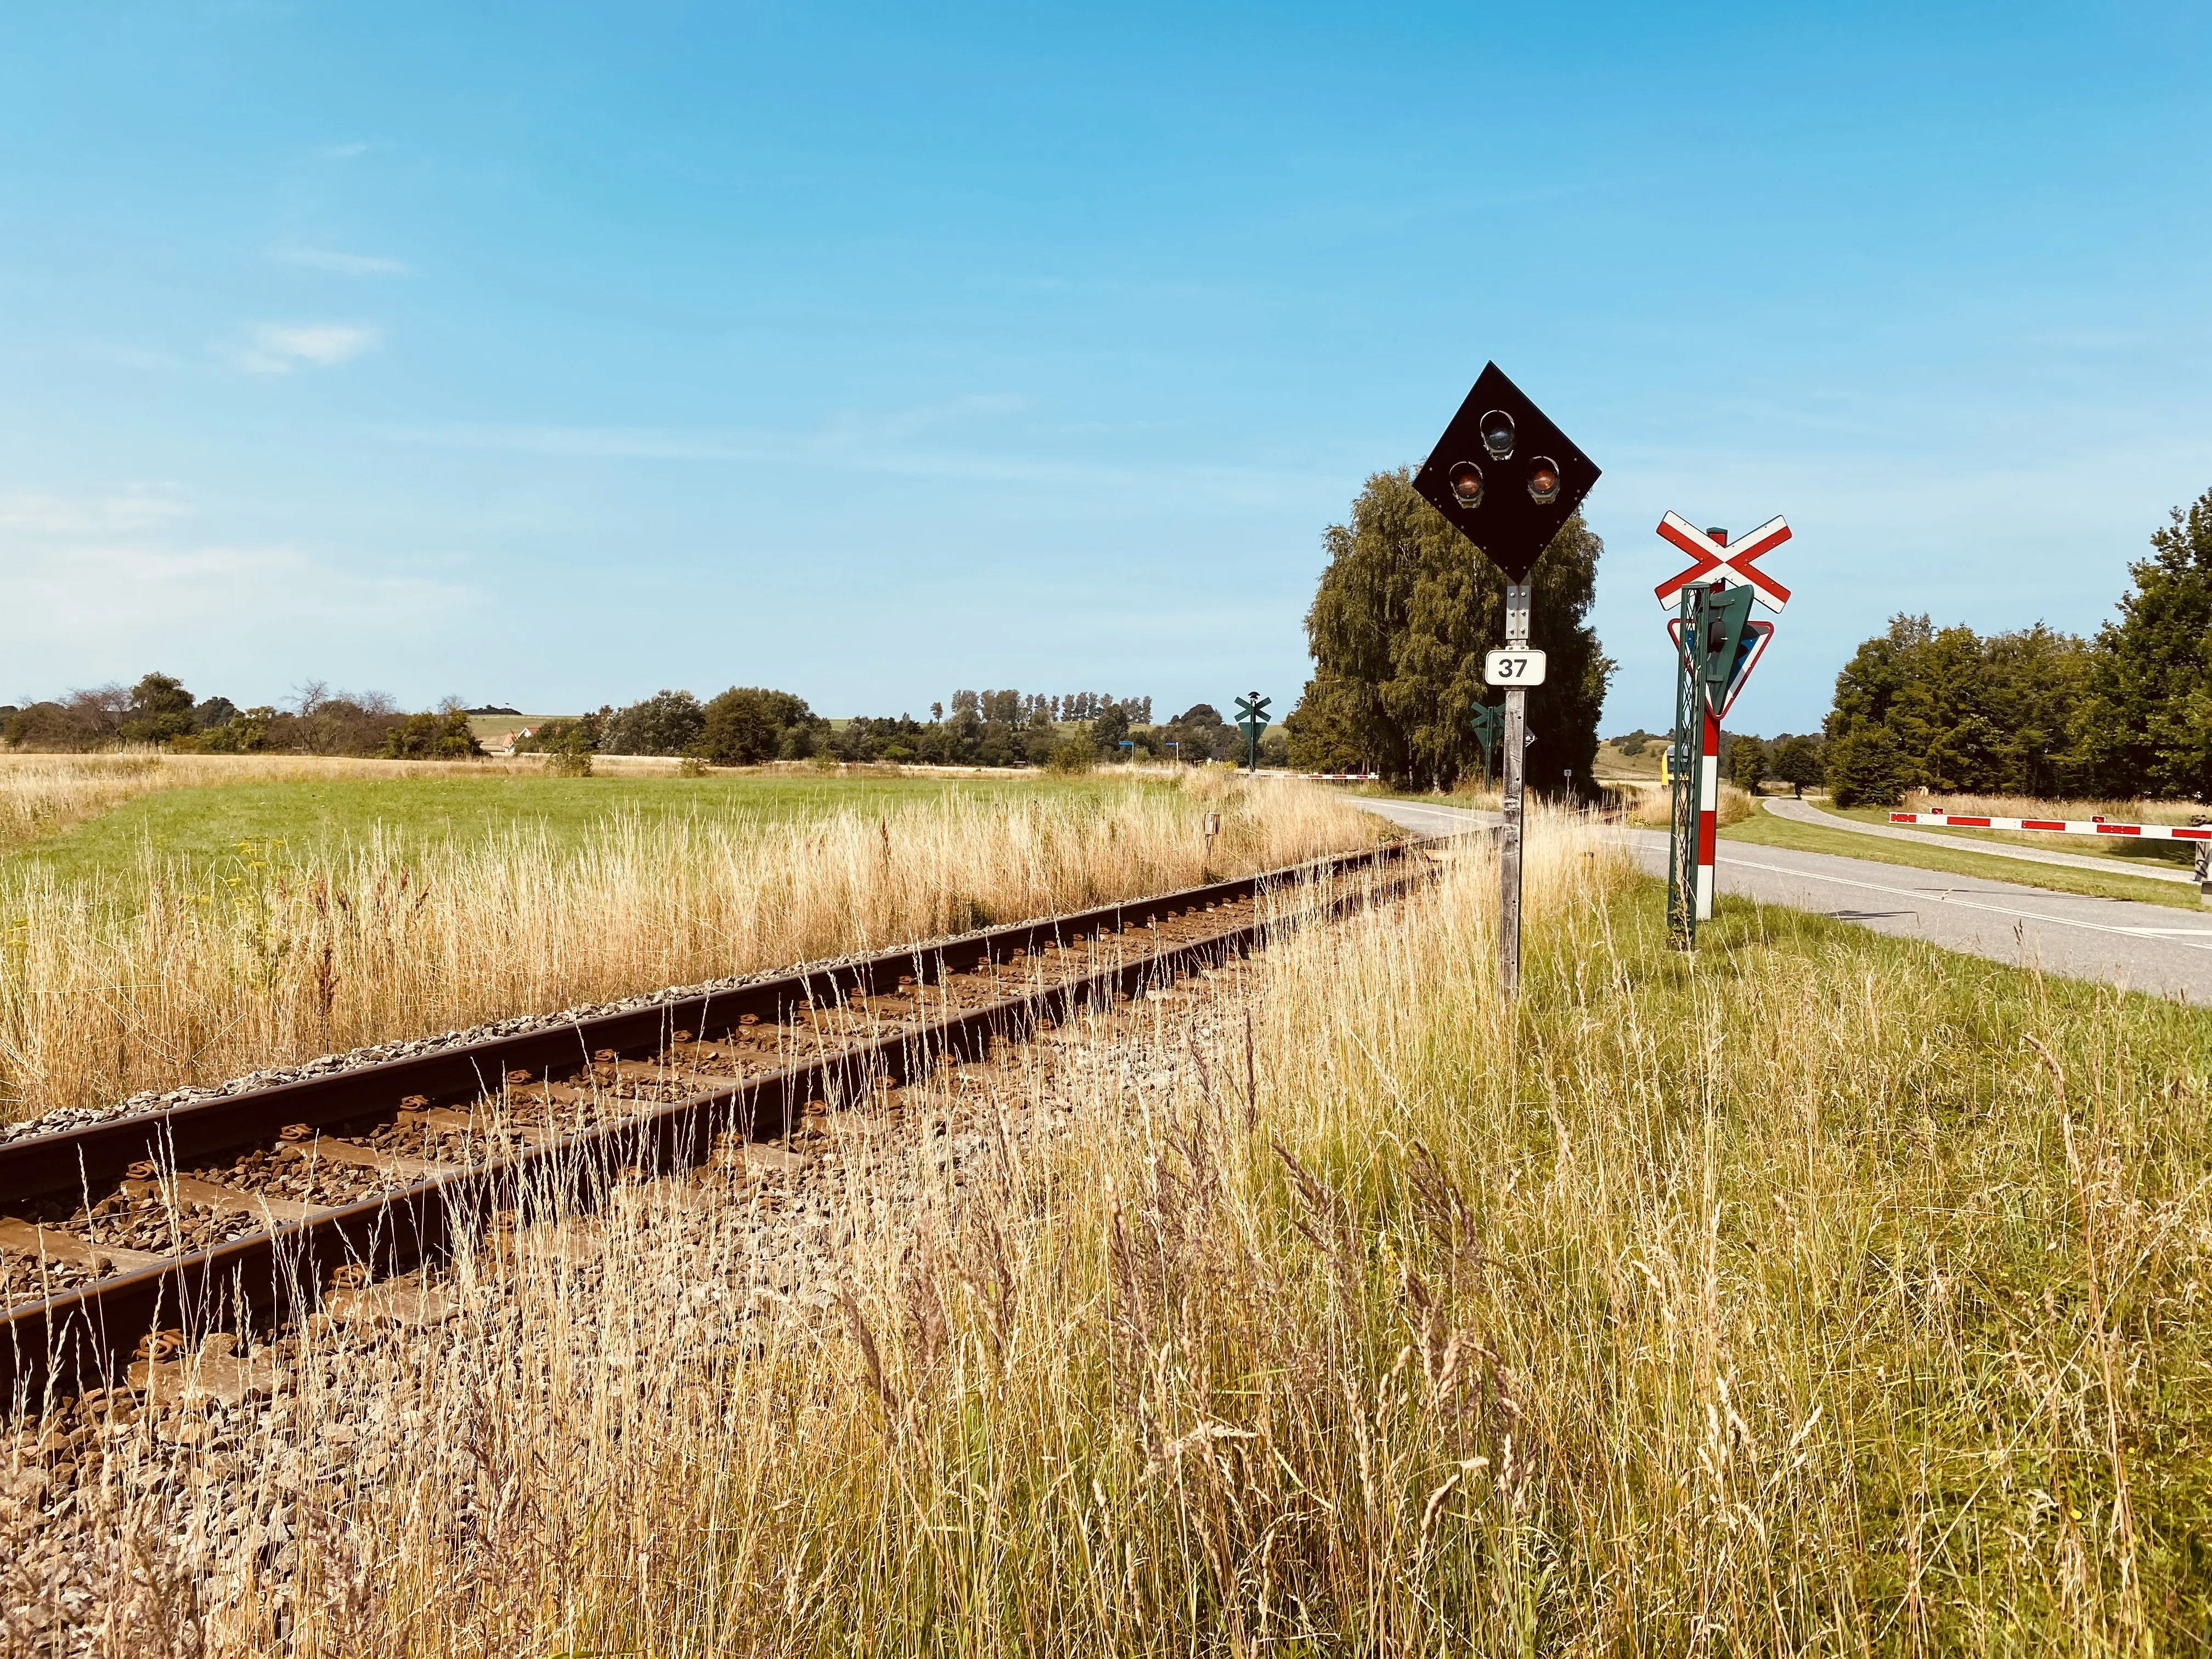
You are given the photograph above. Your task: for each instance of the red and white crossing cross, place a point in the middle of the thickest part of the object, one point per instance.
(1730, 566)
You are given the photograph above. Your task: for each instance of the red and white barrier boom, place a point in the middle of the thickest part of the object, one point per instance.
(2061, 826)
(1717, 646)
(2199, 833)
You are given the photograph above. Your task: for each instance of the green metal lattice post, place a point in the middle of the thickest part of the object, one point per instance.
(1683, 764)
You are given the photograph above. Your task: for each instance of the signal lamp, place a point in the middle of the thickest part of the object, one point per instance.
(1497, 427)
(1544, 481)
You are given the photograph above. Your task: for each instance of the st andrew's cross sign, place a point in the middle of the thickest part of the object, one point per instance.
(1718, 564)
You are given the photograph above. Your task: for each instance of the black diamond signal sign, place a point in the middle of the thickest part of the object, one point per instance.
(1505, 477)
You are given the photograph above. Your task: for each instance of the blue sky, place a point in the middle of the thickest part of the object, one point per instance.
(550, 355)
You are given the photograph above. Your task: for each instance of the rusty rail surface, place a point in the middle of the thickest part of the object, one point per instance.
(83, 1337)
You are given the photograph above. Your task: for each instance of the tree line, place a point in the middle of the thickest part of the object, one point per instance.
(1023, 708)
(160, 710)
(1404, 612)
(747, 725)
(2038, 712)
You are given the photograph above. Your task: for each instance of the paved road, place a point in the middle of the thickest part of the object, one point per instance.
(1423, 819)
(1803, 811)
(2144, 947)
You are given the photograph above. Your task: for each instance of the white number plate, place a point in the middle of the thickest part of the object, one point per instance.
(1514, 668)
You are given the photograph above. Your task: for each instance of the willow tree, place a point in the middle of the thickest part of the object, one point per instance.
(1398, 629)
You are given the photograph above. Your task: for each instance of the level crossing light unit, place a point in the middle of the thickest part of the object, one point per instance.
(1252, 720)
(1716, 644)
(1508, 480)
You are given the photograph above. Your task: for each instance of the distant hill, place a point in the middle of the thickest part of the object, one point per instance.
(500, 723)
(1614, 759)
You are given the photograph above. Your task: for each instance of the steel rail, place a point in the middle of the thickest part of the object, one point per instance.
(84, 1338)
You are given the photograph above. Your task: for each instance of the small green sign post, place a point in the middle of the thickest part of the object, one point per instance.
(1252, 720)
(1489, 723)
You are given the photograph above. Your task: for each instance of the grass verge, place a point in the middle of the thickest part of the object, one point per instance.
(1764, 828)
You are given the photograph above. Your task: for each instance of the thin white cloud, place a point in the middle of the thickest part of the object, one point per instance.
(136, 507)
(108, 577)
(280, 347)
(879, 450)
(928, 416)
(341, 152)
(240, 595)
(345, 265)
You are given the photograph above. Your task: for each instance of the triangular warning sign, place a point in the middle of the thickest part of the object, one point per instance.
(1748, 651)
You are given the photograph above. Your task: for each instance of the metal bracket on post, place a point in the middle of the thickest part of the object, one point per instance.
(1516, 748)
(1518, 603)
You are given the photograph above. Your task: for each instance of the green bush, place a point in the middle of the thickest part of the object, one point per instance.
(1865, 769)
(1072, 755)
(747, 724)
(432, 737)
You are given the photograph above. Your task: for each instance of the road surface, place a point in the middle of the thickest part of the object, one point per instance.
(2142, 947)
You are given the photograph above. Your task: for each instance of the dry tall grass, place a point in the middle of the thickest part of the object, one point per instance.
(2030, 807)
(181, 979)
(1394, 1321)
(1653, 808)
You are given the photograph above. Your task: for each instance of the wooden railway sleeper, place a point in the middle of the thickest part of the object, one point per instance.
(183, 1189)
(57, 1244)
(332, 1150)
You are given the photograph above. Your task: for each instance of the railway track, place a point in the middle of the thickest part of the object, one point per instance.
(126, 1242)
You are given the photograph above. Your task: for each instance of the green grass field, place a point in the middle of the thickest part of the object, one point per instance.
(206, 825)
(1765, 829)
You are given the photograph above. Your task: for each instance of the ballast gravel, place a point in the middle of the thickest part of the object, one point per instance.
(156, 1519)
